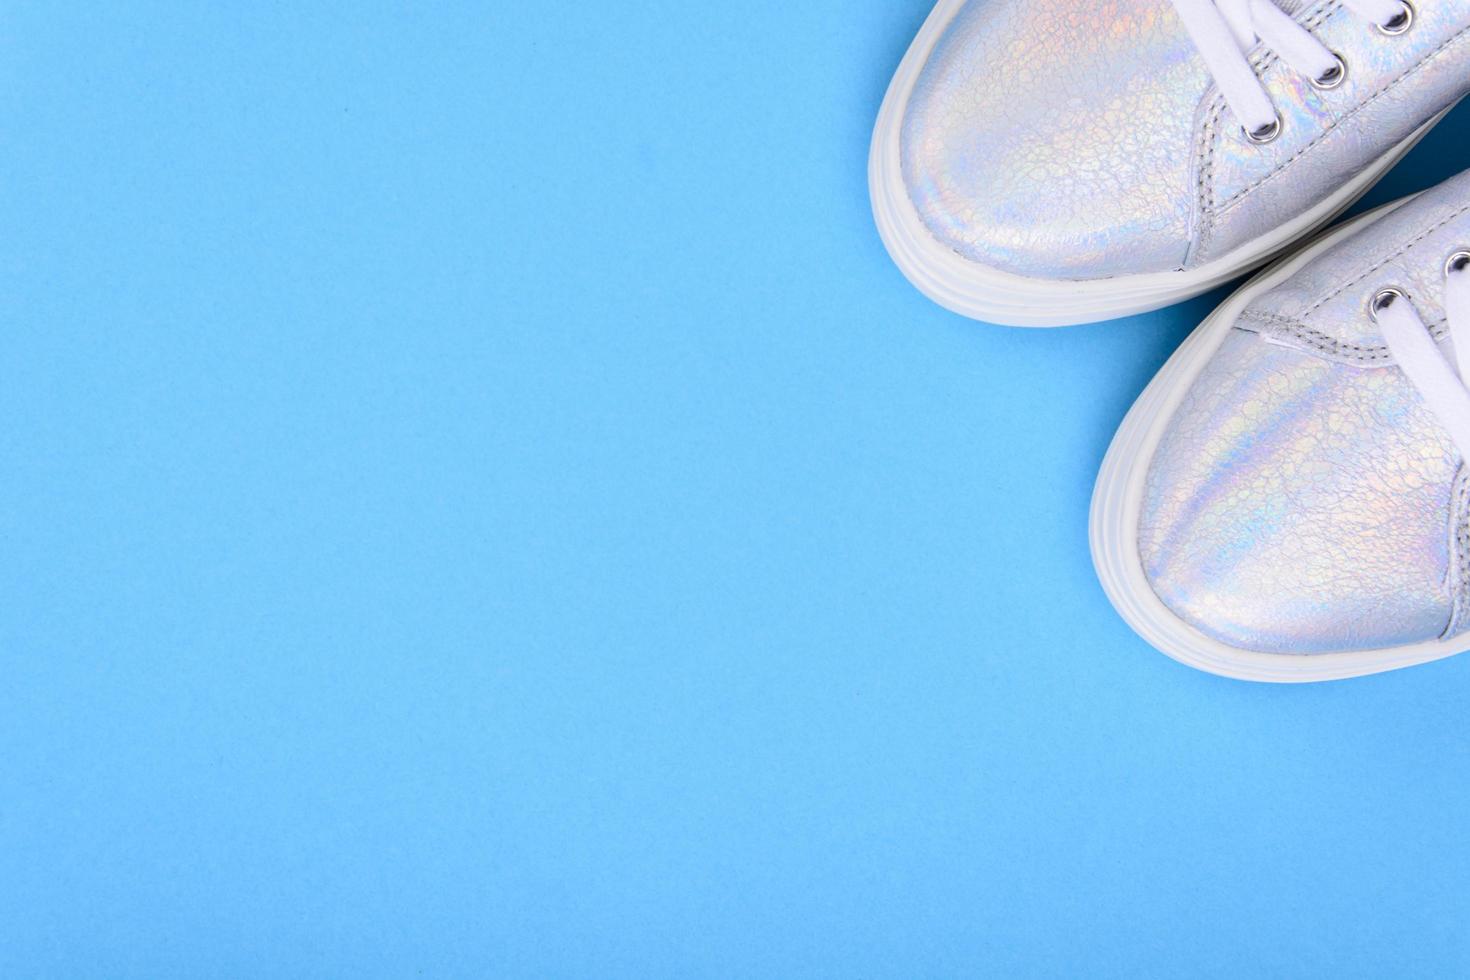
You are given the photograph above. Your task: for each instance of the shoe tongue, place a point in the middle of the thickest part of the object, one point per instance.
(1292, 7)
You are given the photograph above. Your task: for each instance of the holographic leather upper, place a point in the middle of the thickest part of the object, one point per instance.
(1061, 139)
(1303, 499)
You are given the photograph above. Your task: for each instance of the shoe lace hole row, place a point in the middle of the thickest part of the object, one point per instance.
(1334, 77)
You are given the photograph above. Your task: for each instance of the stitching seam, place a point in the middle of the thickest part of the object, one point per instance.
(1290, 332)
(1460, 545)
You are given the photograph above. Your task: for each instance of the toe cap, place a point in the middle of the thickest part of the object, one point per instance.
(1297, 505)
(1053, 139)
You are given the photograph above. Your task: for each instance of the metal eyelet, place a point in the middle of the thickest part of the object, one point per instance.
(1400, 22)
(1332, 77)
(1262, 135)
(1457, 262)
(1383, 299)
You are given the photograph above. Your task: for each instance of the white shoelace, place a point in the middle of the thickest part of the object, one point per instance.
(1442, 384)
(1225, 31)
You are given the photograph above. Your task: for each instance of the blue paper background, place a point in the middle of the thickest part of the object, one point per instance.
(478, 500)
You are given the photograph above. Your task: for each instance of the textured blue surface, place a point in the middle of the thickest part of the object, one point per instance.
(478, 500)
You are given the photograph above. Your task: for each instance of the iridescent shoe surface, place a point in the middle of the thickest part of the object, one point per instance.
(1057, 161)
(1284, 502)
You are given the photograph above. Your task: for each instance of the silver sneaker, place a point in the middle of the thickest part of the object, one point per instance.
(1288, 500)
(1044, 162)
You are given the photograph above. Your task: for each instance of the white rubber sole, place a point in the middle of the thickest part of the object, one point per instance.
(1118, 501)
(983, 293)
